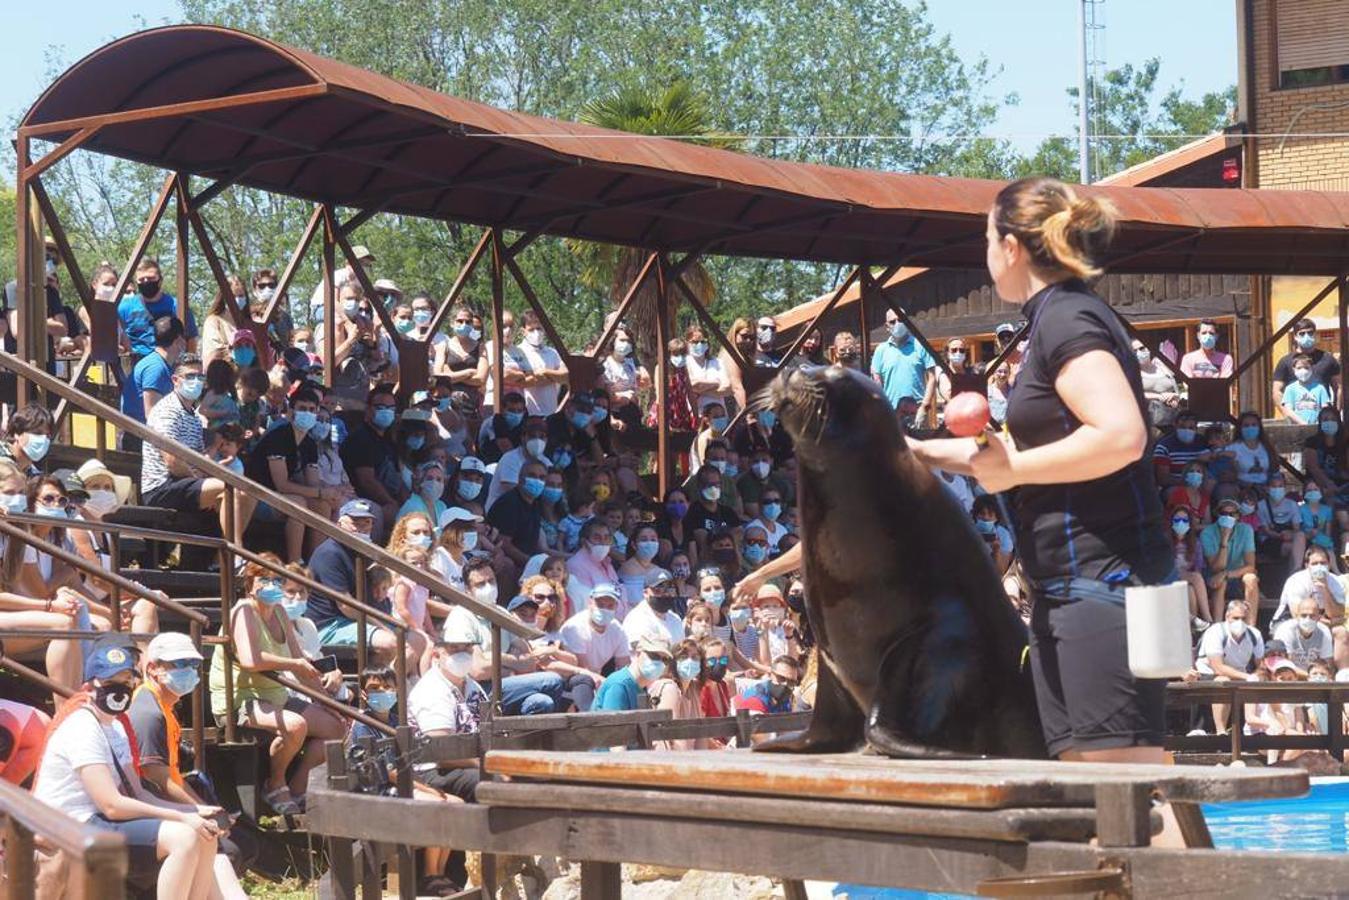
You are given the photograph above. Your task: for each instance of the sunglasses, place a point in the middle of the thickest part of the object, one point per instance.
(55, 500)
(545, 598)
(263, 285)
(722, 660)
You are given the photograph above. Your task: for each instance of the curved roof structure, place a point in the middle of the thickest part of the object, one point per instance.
(225, 104)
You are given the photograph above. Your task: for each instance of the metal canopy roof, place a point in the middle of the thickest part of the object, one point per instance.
(343, 135)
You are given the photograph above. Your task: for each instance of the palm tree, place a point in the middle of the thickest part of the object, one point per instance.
(676, 110)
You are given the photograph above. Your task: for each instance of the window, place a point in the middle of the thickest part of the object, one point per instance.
(1313, 42)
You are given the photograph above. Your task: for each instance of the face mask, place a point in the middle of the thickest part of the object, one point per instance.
(724, 557)
(600, 492)
(719, 423)
(50, 268)
(677, 509)
(688, 669)
(660, 603)
(898, 332)
(986, 526)
(535, 447)
(601, 616)
(532, 487)
(551, 494)
(269, 592)
(463, 329)
(191, 387)
(486, 594)
(416, 442)
(1317, 677)
(731, 470)
(677, 361)
(383, 418)
(1227, 521)
(513, 418)
(1250, 432)
(958, 357)
(1246, 508)
(646, 550)
(244, 356)
(459, 664)
(1305, 341)
(1236, 627)
(51, 512)
(236, 466)
(264, 294)
(1143, 354)
(1306, 624)
(304, 346)
(599, 415)
(1277, 493)
(1186, 435)
(294, 610)
(1208, 341)
(712, 493)
(381, 701)
(1330, 427)
(714, 597)
(1313, 496)
(768, 418)
(771, 511)
(534, 338)
(305, 419)
(421, 541)
(469, 540)
(754, 553)
(148, 289)
(738, 617)
(598, 551)
(561, 459)
(475, 334)
(469, 490)
(351, 308)
(432, 488)
(779, 692)
(623, 348)
(1180, 526)
(182, 681)
(1302, 375)
(112, 698)
(620, 541)
(101, 502)
(796, 601)
(579, 420)
(15, 503)
(37, 445)
(1194, 479)
(652, 668)
(404, 326)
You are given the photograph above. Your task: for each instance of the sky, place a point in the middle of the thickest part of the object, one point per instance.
(1034, 42)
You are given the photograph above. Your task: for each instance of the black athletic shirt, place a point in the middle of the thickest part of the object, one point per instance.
(1106, 529)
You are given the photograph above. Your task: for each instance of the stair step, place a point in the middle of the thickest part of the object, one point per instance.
(175, 582)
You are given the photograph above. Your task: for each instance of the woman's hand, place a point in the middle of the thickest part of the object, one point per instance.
(206, 829)
(332, 681)
(993, 465)
(68, 602)
(304, 669)
(748, 587)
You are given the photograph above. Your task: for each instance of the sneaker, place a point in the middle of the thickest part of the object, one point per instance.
(1199, 624)
(1196, 732)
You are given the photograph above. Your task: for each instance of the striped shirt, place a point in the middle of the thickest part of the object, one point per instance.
(180, 425)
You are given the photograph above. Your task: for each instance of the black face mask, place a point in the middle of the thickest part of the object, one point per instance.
(716, 671)
(148, 288)
(779, 692)
(112, 698)
(660, 604)
(797, 602)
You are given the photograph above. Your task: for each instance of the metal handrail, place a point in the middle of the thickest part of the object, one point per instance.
(491, 612)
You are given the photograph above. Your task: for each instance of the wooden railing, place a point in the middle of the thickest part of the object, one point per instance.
(1236, 694)
(98, 857)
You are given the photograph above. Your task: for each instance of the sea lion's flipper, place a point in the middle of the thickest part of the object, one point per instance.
(836, 726)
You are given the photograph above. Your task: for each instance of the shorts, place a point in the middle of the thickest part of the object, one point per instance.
(142, 841)
(341, 632)
(265, 512)
(183, 494)
(247, 708)
(1087, 696)
(461, 783)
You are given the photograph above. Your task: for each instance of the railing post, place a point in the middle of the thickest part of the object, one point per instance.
(329, 297)
(362, 597)
(198, 709)
(400, 667)
(105, 869)
(226, 608)
(1344, 330)
(496, 668)
(20, 866)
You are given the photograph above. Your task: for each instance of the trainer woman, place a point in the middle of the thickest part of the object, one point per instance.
(1089, 520)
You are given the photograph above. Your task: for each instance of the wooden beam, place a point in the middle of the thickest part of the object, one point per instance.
(498, 368)
(663, 313)
(166, 193)
(711, 325)
(1286, 327)
(329, 296)
(795, 347)
(311, 228)
(58, 233)
(534, 304)
(212, 260)
(461, 280)
(64, 149)
(623, 307)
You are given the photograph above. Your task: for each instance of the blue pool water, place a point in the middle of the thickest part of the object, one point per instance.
(1317, 823)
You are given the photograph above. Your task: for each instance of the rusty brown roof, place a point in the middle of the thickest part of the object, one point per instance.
(355, 138)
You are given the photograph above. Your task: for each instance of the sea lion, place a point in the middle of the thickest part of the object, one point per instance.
(921, 655)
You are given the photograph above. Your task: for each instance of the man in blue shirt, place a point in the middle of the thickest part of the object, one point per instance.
(902, 366)
(136, 315)
(152, 377)
(1229, 556)
(651, 659)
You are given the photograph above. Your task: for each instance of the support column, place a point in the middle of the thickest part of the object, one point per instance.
(28, 250)
(329, 304)
(498, 333)
(867, 288)
(663, 461)
(1344, 333)
(180, 220)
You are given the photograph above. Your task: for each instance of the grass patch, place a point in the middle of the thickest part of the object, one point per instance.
(286, 889)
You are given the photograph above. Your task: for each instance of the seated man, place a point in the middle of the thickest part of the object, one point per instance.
(773, 694)
(286, 461)
(1229, 651)
(334, 566)
(1229, 555)
(448, 701)
(651, 660)
(516, 514)
(655, 616)
(170, 482)
(531, 694)
(1306, 636)
(595, 635)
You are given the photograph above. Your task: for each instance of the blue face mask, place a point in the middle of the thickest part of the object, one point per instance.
(551, 494)
(532, 487)
(51, 512)
(714, 596)
(416, 441)
(561, 459)
(15, 503)
(190, 390)
(688, 669)
(1208, 341)
(1186, 435)
(771, 511)
(1328, 427)
(269, 592)
(244, 356)
(463, 329)
(601, 616)
(579, 420)
(381, 701)
(1250, 432)
(182, 681)
(646, 550)
(768, 418)
(738, 616)
(421, 316)
(1227, 521)
(294, 610)
(420, 541)
(383, 418)
(1312, 496)
(1305, 341)
(320, 431)
(899, 332)
(986, 526)
(652, 668)
(1180, 526)
(1246, 508)
(1194, 479)
(513, 418)
(305, 419)
(599, 415)
(469, 490)
(719, 423)
(754, 553)
(37, 445)
(1277, 494)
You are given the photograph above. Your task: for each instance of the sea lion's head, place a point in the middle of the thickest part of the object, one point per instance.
(833, 409)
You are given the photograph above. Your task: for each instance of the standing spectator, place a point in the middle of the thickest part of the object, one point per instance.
(764, 335)
(623, 375)
(651, 660)
(27, 438)
(945, 385)
(679, 413)
(545, 373)
(465, 363)
(1303, 399)
(845, 351)
(512, 362)
(152, 377)
(136, 313)
(1252, 456)
(1176, 450)
(742, 336)
(1159, 387)
(901, 365)
(999, 389)
(1325, 368)
(1229, 554)
(1207, 361)
(218, 330)
(1230, 651)
(167, 480)
(707, 378)
(1306, 637)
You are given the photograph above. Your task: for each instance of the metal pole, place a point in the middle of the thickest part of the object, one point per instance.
(1083, 140)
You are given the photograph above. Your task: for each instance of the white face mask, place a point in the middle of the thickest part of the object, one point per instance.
(1306, 624)
(1236, 627)
(535, 337)
(101, 502)
(485, 593)
(459, 664)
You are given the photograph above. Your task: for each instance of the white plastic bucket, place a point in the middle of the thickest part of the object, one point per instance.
(1158, 621)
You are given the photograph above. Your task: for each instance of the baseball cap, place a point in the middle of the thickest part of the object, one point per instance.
(1005, 328)
(241, 337)
(412, 414)
(653, 646)
(457, 514)
(658, 577)
(168, 646)
(362, 253)
(520, 600)
(384, 284)
(472, 464)
(357, 509)
(605, 589)
(72, 483)
(1282, 664)
(107, 659)
(1229, 503)
(457, 631)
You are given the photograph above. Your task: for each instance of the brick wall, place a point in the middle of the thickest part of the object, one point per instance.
(1302, 162)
